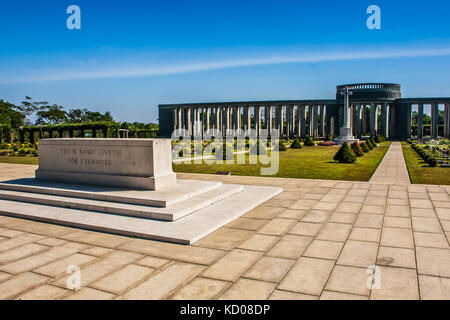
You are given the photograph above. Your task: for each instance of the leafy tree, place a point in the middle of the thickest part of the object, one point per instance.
(9, 116)
(51, 115)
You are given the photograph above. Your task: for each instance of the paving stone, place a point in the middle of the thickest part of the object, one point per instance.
(358, 254)
(99, 269)
(426, 225)
(20, 283)
(44, 292)
(339, 217)
(153, 262)
(433, 261)
(395, 237)
(334, 232)
(224, 238)
(396, 257)
(443, 213)
(171, 251)
(331, 295)
(19, 241)
(248, 224)
(89, 294)
(375, 201)
(264, 213)
(277, 227)
(269, 269)
(312, 196)
(246, 289)
(259, 242)
(293, 214)
(365, 234)
(286, 295)
(427, 213)
(434, 288)
(308, 276)
(354, 199)
(59, 267)
(290, 247)
(397, 211)
(122, 279)
(398, 194)
(434, 240)
(316, 216)
(4, 276)
(397, 222)
(324, 249)
(397, 202)
(43, 258)
(373, 209)
(333, 198)
(9, 233)
(369, 221)
(348, 207)
(52, 242)
(200, 289)
(97, 251)
(232, 265)
(96, 238)
(306, 229)
(21, 252)
(46, 229)
(163, 283)
(304, 204)
(351, 280)
(441, 204)
(396, 284)
(325, 206)
(420, 203)
(442, 196)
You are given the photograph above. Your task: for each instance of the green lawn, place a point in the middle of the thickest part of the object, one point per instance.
(308, 163)
(420, 172)
(19, 160)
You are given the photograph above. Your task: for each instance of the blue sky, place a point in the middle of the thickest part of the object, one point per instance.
(130, 56)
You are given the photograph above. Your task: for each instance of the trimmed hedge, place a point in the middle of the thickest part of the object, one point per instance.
(345, 154)
(296, 144)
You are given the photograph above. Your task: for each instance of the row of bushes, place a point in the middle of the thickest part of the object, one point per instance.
(349, 154)
(427, 157)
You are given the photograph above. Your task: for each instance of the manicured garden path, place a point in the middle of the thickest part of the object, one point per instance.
(393, 168)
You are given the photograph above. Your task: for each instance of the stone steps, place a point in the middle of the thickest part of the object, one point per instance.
(170, 213)
(185, 230)
(184, 190)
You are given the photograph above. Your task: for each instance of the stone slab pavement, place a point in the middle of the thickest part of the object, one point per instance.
(316, 240)
(392, 169)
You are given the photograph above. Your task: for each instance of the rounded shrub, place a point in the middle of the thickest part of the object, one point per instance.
(296, 144)
(365, 148)
(345, 154)
(373, 143)
(357, 149)
(432, 162)
(310, 142)
(328, 137)
(369, 144)
(282, 146)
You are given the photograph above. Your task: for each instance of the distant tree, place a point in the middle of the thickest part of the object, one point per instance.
(10, 116)
(84, 116)
(51, 115)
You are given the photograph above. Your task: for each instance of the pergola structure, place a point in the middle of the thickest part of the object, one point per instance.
(316, 118)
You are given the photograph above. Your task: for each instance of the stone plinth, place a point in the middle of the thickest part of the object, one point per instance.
(129, 163)
(346, 136)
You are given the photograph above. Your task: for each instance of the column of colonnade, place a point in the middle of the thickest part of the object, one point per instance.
(447, 120)
(290, 120)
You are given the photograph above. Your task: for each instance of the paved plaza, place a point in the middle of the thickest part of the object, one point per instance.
(316, 240)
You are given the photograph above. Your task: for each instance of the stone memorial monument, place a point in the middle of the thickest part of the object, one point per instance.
(346, 134)
(126, 187)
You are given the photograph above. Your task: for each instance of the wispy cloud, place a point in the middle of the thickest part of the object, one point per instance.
(189, 67)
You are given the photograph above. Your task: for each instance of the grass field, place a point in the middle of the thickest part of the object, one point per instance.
(420, 172)
(19, 160)
(308, 163)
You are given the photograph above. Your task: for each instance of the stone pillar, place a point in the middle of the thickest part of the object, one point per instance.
(207, 114)
(279, 119)
(359, 111)
(228, 119)
(420, 121)
(434, 119)
(291, 133)
(363, 120)
(268, 117)
(179, 119)
(384, 120)
(447, 120)
(302, 120)
(188, 120)
(322, 121)
(315, 121)
(257, 116)
(238, 118)
(247, 118)
(373, 119)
